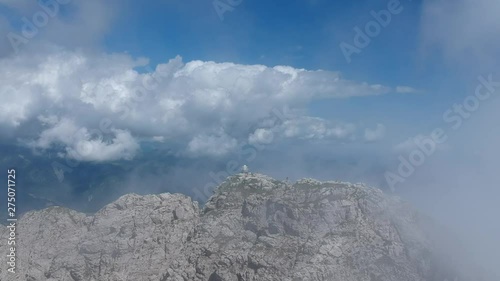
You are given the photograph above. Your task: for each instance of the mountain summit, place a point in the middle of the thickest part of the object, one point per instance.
(254, 227)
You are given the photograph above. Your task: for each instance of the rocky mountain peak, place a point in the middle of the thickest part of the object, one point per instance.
(254, 227)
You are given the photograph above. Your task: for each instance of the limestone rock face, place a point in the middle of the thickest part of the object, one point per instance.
(134, 238)
(253, 228)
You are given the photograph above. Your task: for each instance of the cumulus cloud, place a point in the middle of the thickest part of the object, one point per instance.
(122, 146)
(82, 144)
(261, 136)
(315, 128)
(13, 110)
(206, 107)
(303, 128)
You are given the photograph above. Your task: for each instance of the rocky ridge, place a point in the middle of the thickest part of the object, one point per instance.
(253, 228)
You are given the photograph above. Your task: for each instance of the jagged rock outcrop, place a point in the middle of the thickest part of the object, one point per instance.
(253, 228)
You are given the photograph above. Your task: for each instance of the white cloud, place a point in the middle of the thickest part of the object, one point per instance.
(82, 144)
(261, 136)
(63, 131)
(303, 128)
(315, 128)
(372, 135)
(14, 108)
(186, 103)
(122, 146)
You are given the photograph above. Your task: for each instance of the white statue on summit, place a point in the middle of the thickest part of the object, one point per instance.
(244, 169)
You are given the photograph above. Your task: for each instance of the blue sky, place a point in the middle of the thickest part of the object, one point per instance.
(302, 34)
(417, 66)
(398, 86)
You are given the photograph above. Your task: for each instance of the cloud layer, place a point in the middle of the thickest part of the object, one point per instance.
(111, 102)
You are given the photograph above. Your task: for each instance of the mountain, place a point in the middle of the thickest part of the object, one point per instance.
(253, 228)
